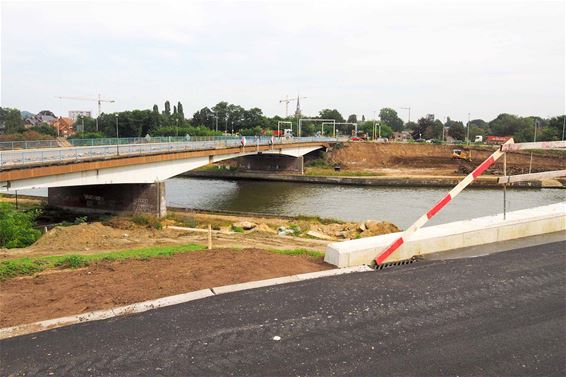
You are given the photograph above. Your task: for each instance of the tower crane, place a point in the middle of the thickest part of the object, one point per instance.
(287, 100)
(98, 100)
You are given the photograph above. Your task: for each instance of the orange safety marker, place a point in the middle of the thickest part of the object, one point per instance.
(380, 259)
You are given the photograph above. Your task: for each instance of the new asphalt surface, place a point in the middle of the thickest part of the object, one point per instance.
(498, 315)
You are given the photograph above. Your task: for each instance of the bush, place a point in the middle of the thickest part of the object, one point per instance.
(147, 220)
(17, 227)
(237, 229)
(73, 261)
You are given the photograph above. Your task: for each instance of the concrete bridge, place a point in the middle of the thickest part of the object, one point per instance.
(130, 178)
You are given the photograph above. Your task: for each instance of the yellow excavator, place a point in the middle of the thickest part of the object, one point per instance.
(459, 154)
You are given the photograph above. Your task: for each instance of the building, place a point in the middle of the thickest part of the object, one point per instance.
(44, 116)
(430, 117)
(64, 126)
(75, 114)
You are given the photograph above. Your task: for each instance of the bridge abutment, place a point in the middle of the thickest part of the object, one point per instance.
(125, 199)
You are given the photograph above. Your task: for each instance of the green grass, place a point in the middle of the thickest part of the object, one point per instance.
(310, 253)
(237, 229)
(27, 266)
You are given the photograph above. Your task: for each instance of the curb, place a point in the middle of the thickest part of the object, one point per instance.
(139, 307)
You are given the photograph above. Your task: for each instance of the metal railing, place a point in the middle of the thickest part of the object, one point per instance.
(70, 154)
(28, 144)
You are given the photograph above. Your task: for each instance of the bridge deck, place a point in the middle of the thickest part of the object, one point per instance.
(17, 165)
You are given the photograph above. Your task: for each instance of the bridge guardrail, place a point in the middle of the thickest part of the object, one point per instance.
(69, 154)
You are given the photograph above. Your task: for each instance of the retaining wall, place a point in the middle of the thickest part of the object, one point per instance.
(455, 235)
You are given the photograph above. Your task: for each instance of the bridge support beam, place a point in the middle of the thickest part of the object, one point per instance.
(269, 162)
(123, 199)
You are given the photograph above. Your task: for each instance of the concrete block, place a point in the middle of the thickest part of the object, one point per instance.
(455, 235)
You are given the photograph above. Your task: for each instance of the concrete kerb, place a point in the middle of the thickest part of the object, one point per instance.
(139, 307)
(455, 235)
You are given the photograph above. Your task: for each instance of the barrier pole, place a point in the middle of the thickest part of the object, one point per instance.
(380, 259)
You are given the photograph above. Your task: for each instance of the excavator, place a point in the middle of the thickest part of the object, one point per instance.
(462, 154)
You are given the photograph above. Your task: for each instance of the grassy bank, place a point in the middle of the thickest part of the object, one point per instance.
(28, 266)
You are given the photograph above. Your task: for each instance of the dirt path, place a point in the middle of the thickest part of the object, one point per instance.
(109, 284)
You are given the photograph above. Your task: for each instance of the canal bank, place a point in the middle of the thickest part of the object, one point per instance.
(383, 181)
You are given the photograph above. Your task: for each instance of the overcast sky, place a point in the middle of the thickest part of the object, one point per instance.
(447, 58)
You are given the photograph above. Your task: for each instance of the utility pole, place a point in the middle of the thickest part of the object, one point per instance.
(534, 140)
(407, 108)
(468, 131)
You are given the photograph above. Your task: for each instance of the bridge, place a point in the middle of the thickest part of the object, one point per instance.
(129, 178)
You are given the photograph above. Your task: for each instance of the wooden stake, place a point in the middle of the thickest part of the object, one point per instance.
(209, 236)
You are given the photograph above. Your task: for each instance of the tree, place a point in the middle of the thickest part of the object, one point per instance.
(155, 118)
(10, 120)
(353, 118)
(390, 118)
(421, 128)
(204, 117)
(553, 130)
(167, 111)
(509, 125)
(457, 130)
(180, 111)
(331, 114)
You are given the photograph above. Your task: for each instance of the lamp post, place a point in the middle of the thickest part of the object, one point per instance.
(117, 136)
(468, 131)
(534, 141)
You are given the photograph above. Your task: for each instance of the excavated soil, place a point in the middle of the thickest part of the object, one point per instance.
(109, 284)
(430, 159)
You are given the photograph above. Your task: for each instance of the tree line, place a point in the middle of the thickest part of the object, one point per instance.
(226, 118)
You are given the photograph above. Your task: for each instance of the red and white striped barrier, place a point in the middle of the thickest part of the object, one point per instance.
(440, 204)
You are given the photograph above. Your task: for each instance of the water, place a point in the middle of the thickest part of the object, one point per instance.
(401, 206)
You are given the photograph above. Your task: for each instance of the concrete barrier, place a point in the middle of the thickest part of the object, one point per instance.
(455, 235)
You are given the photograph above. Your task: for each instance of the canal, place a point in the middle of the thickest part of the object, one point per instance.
(401, 206)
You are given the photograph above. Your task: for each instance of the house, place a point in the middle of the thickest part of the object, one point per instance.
(64, 126)
(402, 136)
(44, 116)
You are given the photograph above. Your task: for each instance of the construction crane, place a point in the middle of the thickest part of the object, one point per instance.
(98, 100)
(287, 100)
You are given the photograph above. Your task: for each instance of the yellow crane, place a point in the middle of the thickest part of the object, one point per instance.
(98, 100)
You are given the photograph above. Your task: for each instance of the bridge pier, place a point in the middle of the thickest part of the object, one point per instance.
(123, 199)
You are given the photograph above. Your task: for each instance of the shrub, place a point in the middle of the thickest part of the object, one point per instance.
(17, 227)
(73, 261)
(147, 220)
(237, 229)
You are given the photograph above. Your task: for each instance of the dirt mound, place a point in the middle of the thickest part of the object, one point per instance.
(93, 236)
(109, 284)
(368, 228)
(379, 156)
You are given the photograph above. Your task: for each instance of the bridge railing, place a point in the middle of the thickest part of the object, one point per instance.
(70, 154)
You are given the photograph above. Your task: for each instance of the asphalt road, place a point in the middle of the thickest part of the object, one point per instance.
(497, 315)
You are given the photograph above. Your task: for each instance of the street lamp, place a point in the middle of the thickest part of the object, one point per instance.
(216, 118)
(117, 136)
(468, 131)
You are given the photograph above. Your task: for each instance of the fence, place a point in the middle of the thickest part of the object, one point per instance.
(43, 156)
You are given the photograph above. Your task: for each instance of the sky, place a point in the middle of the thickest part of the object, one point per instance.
(447, 58)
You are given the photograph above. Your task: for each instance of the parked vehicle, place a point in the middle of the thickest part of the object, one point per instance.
(497, 139)
(478, 139)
